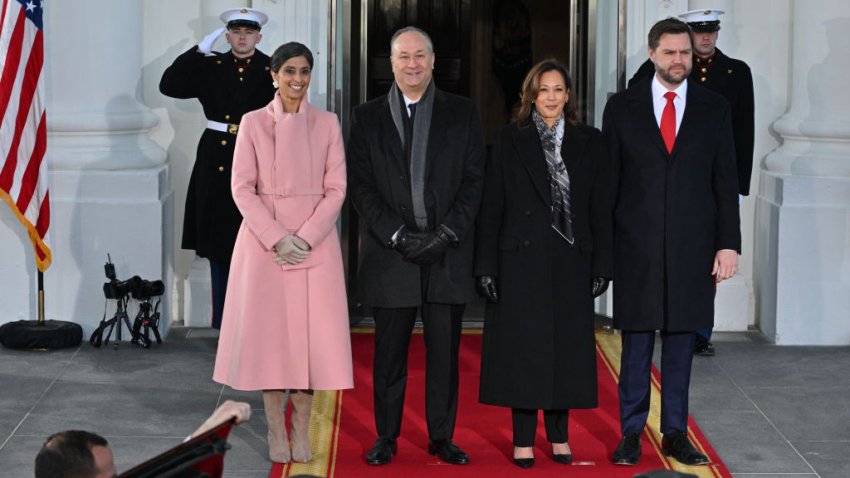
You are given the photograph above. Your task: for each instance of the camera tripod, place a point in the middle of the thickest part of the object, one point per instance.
(145, 322)
(120, 315)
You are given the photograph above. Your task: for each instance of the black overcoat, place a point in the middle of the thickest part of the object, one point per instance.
(539, 347)
(211, 219)
(672, 212)
(733, 79)
(379, 188)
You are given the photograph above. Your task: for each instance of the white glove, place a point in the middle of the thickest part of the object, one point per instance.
(205, 46)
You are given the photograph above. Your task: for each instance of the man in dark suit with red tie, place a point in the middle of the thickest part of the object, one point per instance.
(676, 231)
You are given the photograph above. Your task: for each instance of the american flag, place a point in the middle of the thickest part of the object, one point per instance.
(23, 131)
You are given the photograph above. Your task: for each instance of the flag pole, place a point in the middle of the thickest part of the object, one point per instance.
(40, 298)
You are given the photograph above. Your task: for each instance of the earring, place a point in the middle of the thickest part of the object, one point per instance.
(274, 83)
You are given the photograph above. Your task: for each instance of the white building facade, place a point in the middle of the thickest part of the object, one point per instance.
(120, 153)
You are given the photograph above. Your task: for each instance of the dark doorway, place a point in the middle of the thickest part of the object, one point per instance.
(446, 21)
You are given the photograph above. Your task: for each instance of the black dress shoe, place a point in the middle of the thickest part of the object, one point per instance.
(382, 451)
(704, 348)
(524, 462)
(677, 445)
(628, 451)
(448, 452)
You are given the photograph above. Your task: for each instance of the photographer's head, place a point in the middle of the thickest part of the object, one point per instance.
(75, 454)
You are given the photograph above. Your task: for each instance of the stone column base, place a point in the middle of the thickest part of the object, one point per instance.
(126, 213)
(803, 256)
(197, 298)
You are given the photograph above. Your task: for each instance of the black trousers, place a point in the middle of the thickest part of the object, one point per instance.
(393, 327)
(525, 426)
(219, 271)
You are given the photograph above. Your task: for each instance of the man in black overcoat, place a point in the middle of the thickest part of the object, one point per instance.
(228, 85)
(732, 79)
(415, 164)
(676, 231)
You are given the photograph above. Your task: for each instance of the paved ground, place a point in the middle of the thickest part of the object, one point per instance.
(769, 411)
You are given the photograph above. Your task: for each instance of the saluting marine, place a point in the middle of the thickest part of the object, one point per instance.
(228, 85)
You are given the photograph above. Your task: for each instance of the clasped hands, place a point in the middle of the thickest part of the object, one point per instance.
(423, 248)
(290, 250)
(487, 287)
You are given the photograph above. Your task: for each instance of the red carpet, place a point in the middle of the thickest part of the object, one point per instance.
(343, 427)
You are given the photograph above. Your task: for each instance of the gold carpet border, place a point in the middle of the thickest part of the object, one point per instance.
(610, 346)
(324, 433)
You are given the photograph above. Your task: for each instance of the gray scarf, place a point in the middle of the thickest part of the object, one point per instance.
(559, 180)
(418, 145)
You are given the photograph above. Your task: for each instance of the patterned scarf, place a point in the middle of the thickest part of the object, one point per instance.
(559, 180)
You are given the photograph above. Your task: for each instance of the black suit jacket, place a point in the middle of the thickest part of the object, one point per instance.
(732, 79)
(672, 212)
(379, 187)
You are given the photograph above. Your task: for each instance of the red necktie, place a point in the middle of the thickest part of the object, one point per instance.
(668, 122)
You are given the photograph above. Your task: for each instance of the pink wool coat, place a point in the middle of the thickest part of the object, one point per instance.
(286, 327)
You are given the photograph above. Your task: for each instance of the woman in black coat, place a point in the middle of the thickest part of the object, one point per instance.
(543, 252)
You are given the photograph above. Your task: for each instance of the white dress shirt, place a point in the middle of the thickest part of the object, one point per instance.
(659, 101)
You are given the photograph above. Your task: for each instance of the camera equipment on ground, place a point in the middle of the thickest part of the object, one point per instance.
(147, 319)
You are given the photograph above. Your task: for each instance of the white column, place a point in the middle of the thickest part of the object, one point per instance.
(110, 190)
(803, 228)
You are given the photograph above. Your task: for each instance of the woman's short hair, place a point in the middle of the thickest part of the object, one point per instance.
(289, 50)
(531, 87)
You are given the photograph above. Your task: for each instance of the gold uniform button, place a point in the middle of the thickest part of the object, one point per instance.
(241, 69)
(703, 70)
(221, 169)
(224, 142)
(240, 78)
(218, 62)
(702, 79)
(227, 117)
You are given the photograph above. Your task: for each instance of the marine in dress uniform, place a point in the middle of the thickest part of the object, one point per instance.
(228, 85)
(734, 81)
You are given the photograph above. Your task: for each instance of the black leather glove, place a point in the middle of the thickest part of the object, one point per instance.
(487, 288)
(600, 285)
(432, 248)
(406, 242)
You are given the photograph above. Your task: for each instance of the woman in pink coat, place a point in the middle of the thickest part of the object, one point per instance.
(286, 328)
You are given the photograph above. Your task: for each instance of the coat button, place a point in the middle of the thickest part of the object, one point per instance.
(526, 243)
(224, 142)
(221, 169)
(226, 117)
(527, 213)
(403, 207)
